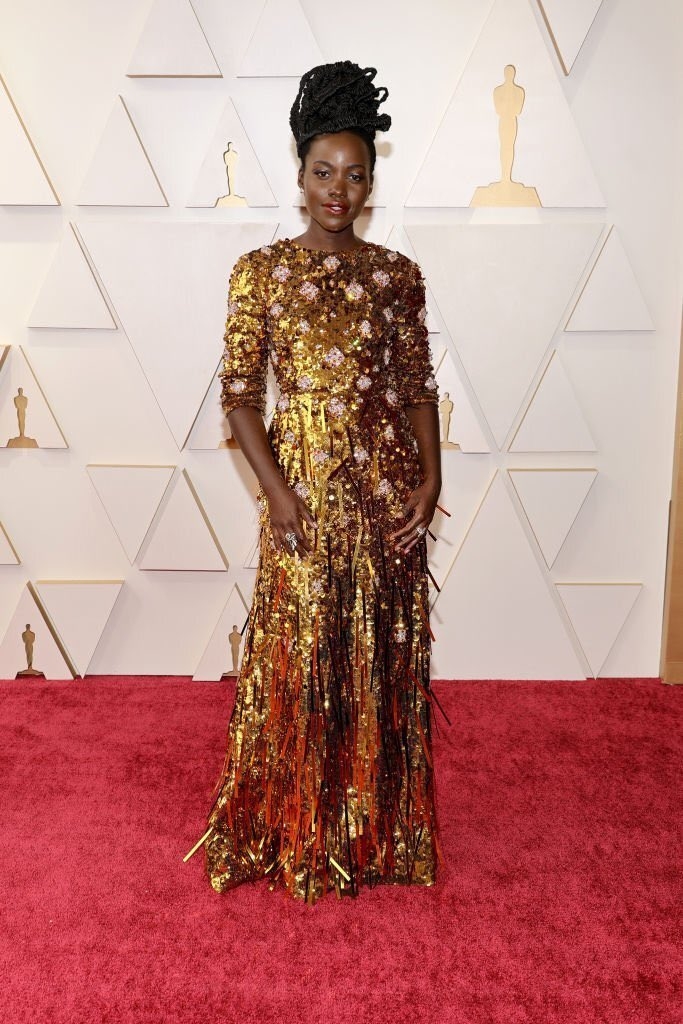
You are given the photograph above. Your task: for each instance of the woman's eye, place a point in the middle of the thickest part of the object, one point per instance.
(320, 173)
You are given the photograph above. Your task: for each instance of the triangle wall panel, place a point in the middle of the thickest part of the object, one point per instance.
(173, 45)
(282, 45)
(503, 291)
(120, 173)
(23, 179)
(168, 282)
(79, 610)
(70, 297)
(131, 497)
(549, 155)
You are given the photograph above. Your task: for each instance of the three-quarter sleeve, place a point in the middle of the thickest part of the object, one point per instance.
(411, 359)
(245, 357)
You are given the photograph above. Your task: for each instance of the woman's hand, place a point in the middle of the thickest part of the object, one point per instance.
(287, 512)
(422, 503)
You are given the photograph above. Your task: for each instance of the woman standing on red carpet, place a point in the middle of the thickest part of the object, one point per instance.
(328, 778)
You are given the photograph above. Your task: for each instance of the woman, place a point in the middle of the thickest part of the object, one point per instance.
(328, 778)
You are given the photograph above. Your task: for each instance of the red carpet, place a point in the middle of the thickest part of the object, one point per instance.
(561, 820)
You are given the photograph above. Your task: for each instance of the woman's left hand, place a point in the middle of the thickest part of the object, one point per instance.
(422, 503)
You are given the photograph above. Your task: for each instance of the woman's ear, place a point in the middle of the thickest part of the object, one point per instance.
(300, 178)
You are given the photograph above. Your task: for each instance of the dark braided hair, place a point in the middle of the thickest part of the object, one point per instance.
(338, 97)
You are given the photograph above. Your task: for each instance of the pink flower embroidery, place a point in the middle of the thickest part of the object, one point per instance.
(354, 290)
(364, 382)
(304, 382)
(392, 397)
(275, 309)
(304, 326)
(334, 357)
(308, 290)
(388, 314)
(281, 273)
(283, 403)
(361, 455)
(336, 407)
(431, 384)
(302, 489)
(392, 256)
(381, 278)
(237, 386)
(365, 328)
(330, 263)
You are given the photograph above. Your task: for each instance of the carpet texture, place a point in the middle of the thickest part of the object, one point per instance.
(561, 901)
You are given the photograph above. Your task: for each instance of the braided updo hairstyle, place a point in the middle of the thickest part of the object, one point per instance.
(338, 97)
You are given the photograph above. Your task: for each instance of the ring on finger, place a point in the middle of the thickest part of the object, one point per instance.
(292, 540)
(420, 530)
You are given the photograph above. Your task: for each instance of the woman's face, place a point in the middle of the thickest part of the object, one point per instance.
(336, 179)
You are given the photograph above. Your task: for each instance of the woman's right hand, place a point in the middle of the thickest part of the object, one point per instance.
(288, 512)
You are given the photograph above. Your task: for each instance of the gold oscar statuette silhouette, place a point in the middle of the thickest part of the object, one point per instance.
(29, 638)
(22, 441)
(235, 638)
(230, 157)
(445, 409)
(508, 99)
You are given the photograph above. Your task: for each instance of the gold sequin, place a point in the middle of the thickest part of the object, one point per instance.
(328, 782)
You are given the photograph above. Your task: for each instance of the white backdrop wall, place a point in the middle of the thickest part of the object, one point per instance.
(128, 533)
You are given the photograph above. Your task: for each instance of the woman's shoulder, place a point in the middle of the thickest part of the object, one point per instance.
(401, 263)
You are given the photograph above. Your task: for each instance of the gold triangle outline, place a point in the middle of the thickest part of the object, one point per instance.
(30, 142)
(11, 546)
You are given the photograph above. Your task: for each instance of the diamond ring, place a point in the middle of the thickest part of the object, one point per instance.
(291, 539)
(420, 530)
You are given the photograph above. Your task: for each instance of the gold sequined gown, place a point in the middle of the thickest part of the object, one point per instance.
(328, 779)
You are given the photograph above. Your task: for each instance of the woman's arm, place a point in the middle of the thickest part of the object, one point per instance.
(424, 419)
(286, 508)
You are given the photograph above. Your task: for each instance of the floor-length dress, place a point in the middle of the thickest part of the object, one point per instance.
(328, 779)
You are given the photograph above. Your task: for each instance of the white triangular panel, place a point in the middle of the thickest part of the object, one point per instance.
(79, 610)
(464, 483)
(121, 173)
(211, 429)
(611, 299)
(40, 424)
(23, 179)
(8, 554)
(247, 181)
(217, 656)
(463, 428)
(47, 657)
(168, 282)
(568, 25)
(551, 499)
(598, 612)
(548, 154)
(173, 45)
(399, 242)
(70, 296)
(553, 421)
(253, 550)
(182, 538)
(131, 496)
(502, 620)
(282, 45)
(502, 290)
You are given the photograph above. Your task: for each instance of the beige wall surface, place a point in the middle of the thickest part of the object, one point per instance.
(544, 207)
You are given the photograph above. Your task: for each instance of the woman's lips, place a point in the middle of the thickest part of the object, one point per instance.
(338, 209)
